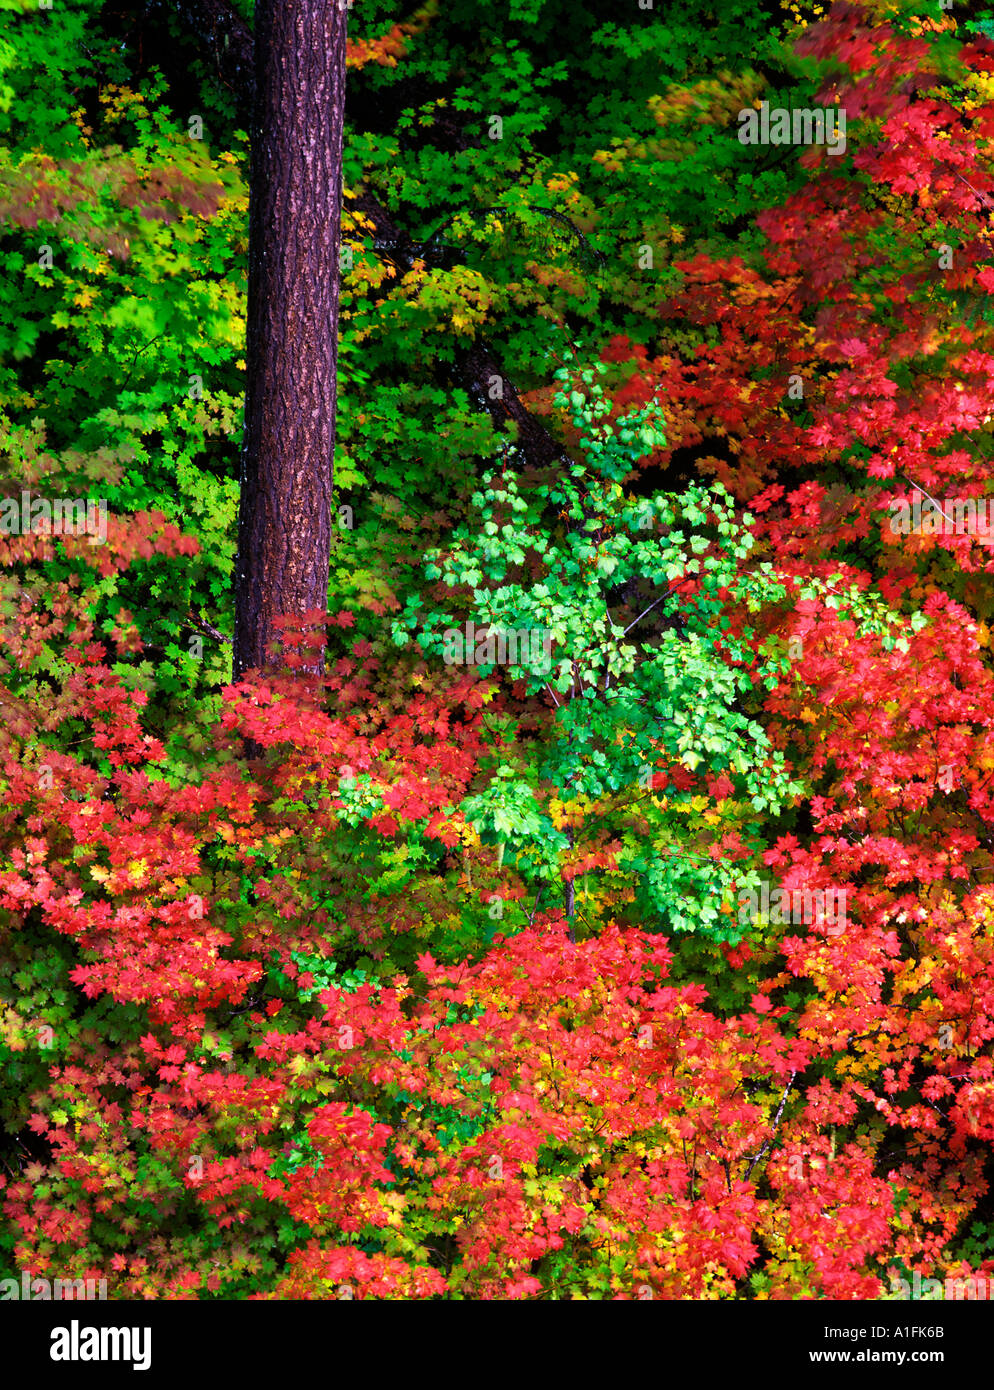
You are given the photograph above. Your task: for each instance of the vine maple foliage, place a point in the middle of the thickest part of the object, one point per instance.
(873, 299)
(555, 1115)
(268, 1031)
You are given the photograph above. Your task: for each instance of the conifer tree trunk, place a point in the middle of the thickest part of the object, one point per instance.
(292, 332)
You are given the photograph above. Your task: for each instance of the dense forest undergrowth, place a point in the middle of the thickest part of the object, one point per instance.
(595, 900)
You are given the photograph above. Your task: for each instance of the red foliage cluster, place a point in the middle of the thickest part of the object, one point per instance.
(585, 1118)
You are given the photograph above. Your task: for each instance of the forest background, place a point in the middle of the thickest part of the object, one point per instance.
(463, 970)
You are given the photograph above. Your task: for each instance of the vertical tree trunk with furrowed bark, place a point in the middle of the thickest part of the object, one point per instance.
(284, 525)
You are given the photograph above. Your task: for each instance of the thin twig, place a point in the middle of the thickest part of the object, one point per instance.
(930, 498)
(776, 1124)
(535, 905)
(206, 627)
(644, 611)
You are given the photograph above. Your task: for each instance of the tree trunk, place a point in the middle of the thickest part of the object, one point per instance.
(292, 340)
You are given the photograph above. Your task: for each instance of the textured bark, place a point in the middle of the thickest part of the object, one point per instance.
(284, 527)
